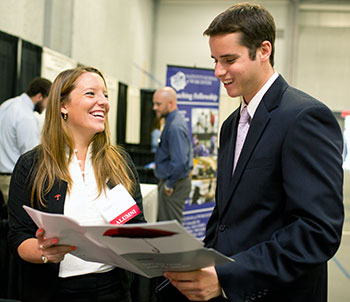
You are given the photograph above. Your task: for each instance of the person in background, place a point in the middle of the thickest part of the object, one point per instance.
(71, 173)
(155, 134)
(279, 210)
(157, 127)
(40, 118)
(173, 158)
(19, 129)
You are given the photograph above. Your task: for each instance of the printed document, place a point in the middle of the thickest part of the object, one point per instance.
(148, 249)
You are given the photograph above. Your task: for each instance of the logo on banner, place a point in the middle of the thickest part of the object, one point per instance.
(178, 81)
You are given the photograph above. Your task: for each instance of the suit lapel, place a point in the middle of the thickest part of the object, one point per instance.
(258, 125)
(256, 129)
(229, 151)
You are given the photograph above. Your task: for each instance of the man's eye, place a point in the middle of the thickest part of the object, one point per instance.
(90, 93)
(230, 61)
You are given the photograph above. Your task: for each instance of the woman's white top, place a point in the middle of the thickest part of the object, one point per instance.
(80, 204)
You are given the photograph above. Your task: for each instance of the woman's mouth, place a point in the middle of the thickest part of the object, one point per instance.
(98, 114)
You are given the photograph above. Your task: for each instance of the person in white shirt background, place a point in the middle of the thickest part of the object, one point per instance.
(19, 128)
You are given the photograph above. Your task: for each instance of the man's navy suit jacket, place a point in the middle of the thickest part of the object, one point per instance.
(280, 215)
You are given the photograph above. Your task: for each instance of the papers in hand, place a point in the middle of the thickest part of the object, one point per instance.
(148, 249)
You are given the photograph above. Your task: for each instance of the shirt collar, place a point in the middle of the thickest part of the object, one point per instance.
(255, 101)
(27, 100)
(170, 115)
(88, 154)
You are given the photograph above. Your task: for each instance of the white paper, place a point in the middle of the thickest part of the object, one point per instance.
(148, 249)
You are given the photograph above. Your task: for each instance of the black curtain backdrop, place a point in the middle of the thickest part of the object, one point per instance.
(8, 66)
(8, 80)
(30, 65)
(12, 84)
(121, 113)
(141, 153)
(147, 116)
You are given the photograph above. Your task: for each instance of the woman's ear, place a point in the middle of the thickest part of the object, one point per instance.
(64, 109)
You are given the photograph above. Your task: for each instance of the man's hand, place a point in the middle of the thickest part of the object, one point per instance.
(168, 191)
(200, 285)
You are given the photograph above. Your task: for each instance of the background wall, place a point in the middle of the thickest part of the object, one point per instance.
(23, 18)
(180, 41)
(115, 36)
(132, 41)
(322, 64)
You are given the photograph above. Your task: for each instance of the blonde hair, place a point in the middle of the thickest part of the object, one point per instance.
(108, 161)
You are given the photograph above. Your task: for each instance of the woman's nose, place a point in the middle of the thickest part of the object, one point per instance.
(102, 100)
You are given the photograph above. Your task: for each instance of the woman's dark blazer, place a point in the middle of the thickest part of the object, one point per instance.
(39, 280)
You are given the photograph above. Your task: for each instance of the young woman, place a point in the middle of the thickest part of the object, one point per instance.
(70, 173)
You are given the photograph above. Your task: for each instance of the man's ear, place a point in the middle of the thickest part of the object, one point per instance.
(37, 98)
(265, 51)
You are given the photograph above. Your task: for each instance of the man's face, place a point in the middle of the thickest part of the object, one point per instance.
(240, 75)
(41, 105)
(160, 105)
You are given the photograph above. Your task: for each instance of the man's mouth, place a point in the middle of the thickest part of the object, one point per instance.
(227, 82)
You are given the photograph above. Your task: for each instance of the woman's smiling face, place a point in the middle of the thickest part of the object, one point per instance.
(87, 106)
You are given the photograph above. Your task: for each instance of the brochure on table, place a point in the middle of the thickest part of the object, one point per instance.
(148, 249)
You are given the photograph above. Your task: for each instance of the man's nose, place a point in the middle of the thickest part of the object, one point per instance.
(219, 70)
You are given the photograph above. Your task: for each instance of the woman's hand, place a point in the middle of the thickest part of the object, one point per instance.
(50, 250)
(42, 249)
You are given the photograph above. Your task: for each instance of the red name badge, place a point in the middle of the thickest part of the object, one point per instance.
(119, 206)
(127, 215)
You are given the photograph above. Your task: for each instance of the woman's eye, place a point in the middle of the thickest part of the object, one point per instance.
(106, 96)
(90, 93)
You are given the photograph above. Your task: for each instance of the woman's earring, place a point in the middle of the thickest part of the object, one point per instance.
(65, 116)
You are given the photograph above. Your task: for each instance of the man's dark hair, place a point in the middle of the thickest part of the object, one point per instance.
(39, 85)
(254, 22)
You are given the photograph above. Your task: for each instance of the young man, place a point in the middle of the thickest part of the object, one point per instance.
(279, 211)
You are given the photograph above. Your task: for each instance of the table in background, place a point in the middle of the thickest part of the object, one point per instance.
(150, 201)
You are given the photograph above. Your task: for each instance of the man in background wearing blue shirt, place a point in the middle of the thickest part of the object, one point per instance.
(173, 157)
(19, 128)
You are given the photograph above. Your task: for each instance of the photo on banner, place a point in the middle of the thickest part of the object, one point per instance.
(198, 92)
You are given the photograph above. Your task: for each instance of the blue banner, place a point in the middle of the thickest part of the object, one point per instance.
(198, 92)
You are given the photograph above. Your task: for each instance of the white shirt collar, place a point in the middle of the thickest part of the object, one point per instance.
(255, 101)
(28, 101)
